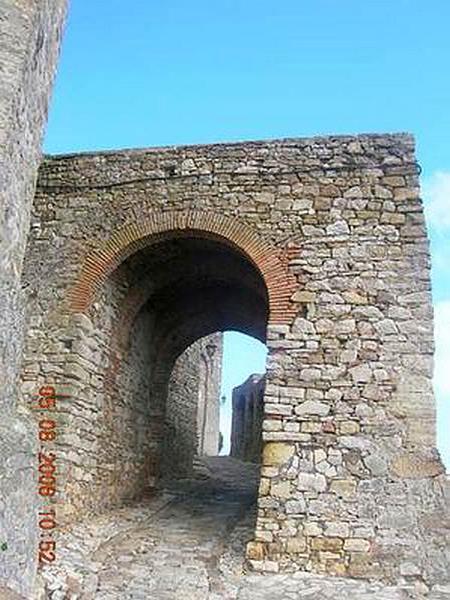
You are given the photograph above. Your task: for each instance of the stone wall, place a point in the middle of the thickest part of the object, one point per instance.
(30, 36)
(247, 420)
(193, 406)
(208, 408)
(315, 246)
(114, 367)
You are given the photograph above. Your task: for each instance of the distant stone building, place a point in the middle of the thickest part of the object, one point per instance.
(193, 406)
(208, 405)
(247, 420)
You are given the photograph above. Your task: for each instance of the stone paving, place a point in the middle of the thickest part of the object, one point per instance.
(188, 542)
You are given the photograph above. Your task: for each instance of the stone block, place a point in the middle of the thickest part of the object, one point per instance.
(296, 506)
(311, 426)
(280, 489)
(336, 529)
(278, 409)
(277, 453)
(264, 536)
(312, 482)
(255, 551)
(264, 486)
(285, 436)
(319, 455)
(348, 427)
(338, 228)
(334, 456)
(355, 297)
(312, 407)
(328, 427)
(361, 374)
(310, 374)
(327, 544)
(304, 296)
(272, 425)
(376, 464)
(296, 545)
(345, 488)
(361, 566)
(356, 545)
(312, 529)
(416, 466)
(296, 393)
(336, 567)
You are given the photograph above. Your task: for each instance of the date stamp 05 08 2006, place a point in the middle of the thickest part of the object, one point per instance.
(46, 401)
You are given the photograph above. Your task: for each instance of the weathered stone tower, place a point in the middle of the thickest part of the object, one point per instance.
(247, 420)
(193, 406)
(30, 35)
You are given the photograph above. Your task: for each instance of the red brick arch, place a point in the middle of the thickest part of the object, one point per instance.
(270, 261)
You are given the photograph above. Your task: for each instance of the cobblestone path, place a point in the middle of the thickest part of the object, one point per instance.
(188, 543)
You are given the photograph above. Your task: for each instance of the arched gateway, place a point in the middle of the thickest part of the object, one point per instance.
(316, 247)
(330, 265)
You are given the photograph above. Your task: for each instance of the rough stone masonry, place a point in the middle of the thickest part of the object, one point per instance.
(317, 247)
(247, 419)
(30, 34)
(193, 406)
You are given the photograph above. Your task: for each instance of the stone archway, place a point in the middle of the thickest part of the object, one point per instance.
(102, 260)
(352, 204)
(343, 299)
(144, 302)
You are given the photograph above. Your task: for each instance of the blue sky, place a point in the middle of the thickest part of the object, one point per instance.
(136, 74)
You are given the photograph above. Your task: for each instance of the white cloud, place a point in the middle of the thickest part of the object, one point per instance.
(442, 356)
(440, 257)
(442, 377)
(436, 194)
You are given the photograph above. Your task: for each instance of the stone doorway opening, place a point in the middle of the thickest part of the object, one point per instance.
(215, 403)
(243, 385)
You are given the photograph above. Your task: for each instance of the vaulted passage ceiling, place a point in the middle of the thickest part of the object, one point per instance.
(194, 287)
